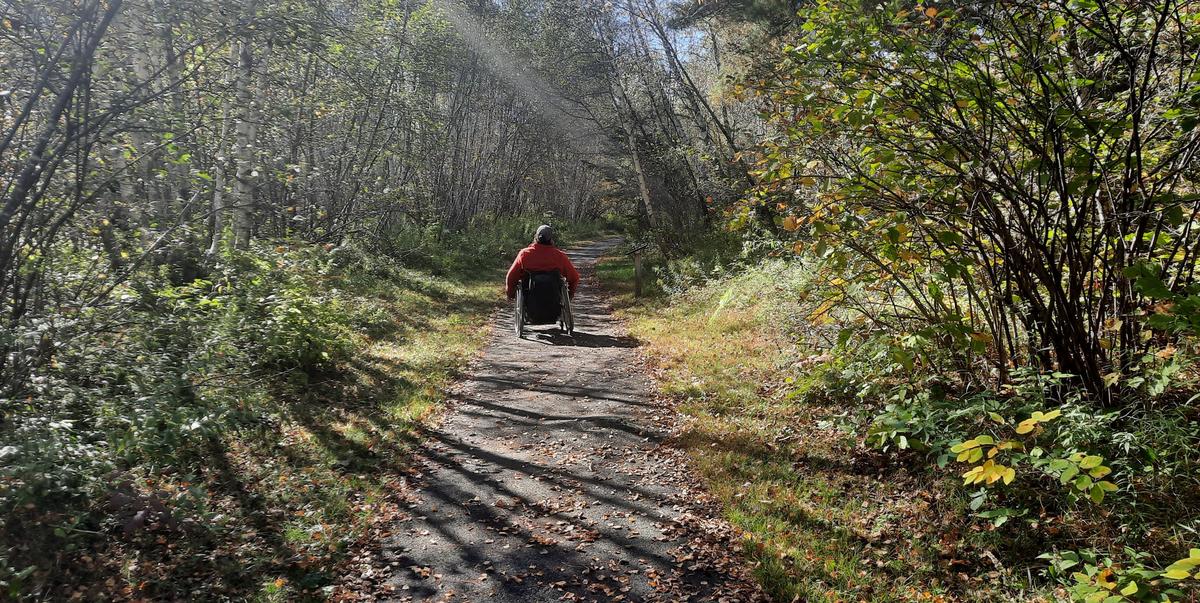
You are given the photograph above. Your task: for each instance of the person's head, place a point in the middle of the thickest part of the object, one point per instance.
(544, 235)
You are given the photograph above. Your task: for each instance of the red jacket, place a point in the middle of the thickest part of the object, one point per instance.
(540, 258)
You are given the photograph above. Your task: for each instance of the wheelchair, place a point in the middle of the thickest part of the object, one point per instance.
(543, 298)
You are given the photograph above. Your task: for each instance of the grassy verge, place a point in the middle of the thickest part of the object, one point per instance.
(824, 519)
(246, 432)
(275, 508)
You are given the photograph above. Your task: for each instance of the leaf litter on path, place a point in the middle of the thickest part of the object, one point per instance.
(550, 478)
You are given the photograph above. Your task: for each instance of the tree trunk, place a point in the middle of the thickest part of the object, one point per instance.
(245, 131)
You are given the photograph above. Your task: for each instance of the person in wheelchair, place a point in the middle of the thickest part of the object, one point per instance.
(537, 273)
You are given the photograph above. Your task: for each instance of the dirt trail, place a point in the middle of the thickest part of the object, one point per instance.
(547, 480)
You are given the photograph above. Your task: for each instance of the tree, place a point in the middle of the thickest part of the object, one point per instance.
(1004, 166)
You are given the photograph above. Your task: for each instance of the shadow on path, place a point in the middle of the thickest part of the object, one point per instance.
(585, 340)
(550, 480)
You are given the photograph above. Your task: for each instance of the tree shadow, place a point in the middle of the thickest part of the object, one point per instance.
(581, 339)
(612, 422)
(460, 475)
(494, 383)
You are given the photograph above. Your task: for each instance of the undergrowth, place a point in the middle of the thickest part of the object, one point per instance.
(844, 467)
(247, 423)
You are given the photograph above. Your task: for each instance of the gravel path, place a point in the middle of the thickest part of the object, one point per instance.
(549, 480)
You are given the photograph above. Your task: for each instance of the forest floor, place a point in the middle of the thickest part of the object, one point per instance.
(551, 477)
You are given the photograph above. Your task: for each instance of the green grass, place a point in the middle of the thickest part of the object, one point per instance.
(316, 376)
(822, 518)
(336, 476)
(274, 509)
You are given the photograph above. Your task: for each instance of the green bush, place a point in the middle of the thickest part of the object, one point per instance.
(182, 365)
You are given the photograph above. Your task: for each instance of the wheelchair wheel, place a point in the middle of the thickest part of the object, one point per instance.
(519, 313)
(566, 319)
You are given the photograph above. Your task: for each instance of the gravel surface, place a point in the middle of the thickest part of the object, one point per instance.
(550, 478)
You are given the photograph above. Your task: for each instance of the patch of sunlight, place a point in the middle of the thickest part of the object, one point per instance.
(352, 433)
(410, 411)
(296, 533)
(273, 590)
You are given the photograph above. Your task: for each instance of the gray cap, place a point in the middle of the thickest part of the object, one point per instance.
(544, 235)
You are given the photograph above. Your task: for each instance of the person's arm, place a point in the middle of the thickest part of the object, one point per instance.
(569, 271)
(514, 276)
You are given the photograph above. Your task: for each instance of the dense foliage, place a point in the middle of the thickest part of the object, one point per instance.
(998, 202)
(982, 217)
(206, 207)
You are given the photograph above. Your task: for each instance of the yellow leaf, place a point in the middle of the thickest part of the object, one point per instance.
(1100, 471)
(971, 476)
(1090, 462)
(1026, 426)
(963, 446)
(1009, 475)
(1130, 589)
(790, 223)
(1111, 379)
(1176, 574)
(931, 12)
(1054, 414)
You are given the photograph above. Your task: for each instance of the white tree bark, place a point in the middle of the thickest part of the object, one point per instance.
(245, 131)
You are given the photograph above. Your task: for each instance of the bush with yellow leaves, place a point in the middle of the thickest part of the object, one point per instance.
(1093, 579)
(1079, 471)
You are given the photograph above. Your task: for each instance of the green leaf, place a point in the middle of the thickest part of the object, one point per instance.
(1152, 286)
(976, 502)
(1082, 483)
(1068, 474)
